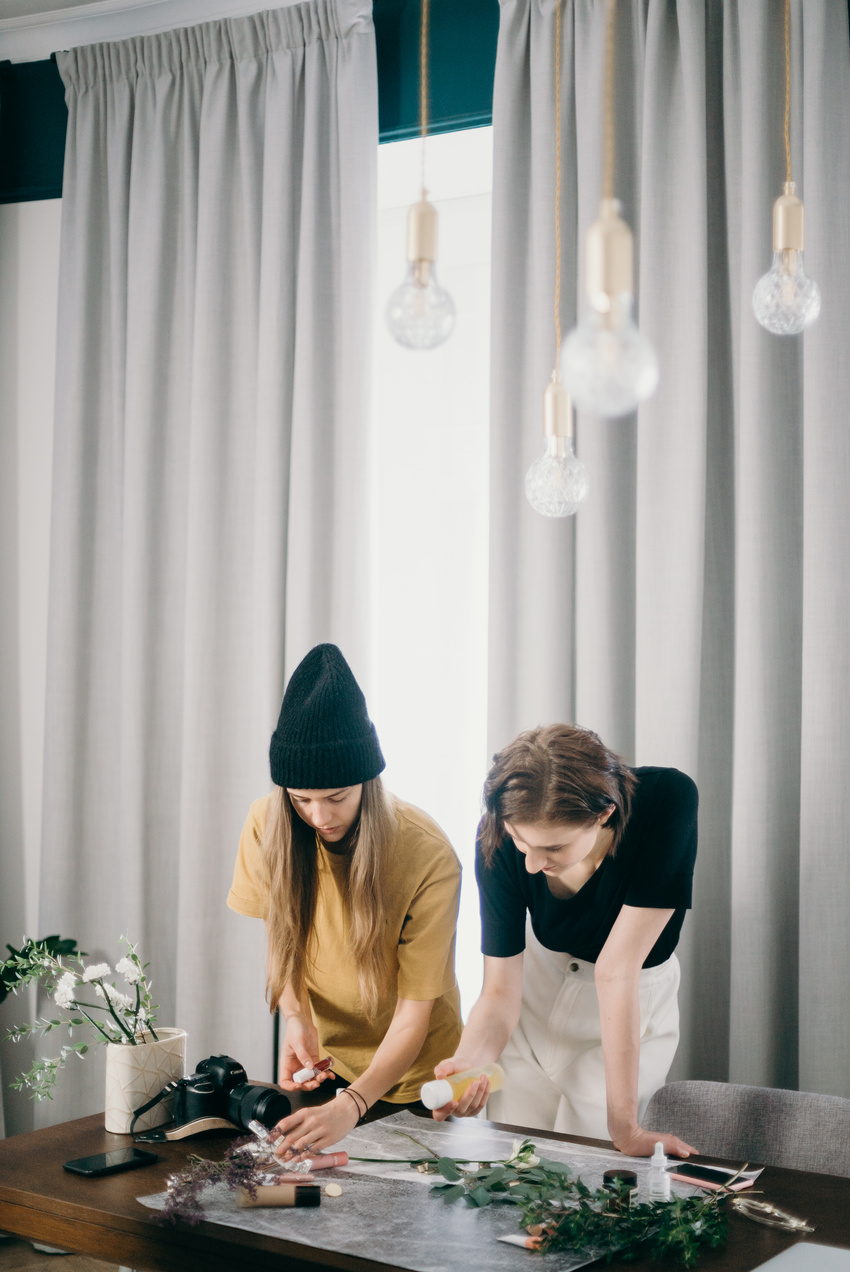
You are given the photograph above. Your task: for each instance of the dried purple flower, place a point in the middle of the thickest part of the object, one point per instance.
(238, 1169)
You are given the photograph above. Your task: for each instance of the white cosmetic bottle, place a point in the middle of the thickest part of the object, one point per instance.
(659, 1180)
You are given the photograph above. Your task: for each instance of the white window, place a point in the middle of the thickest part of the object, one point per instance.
(428, 680)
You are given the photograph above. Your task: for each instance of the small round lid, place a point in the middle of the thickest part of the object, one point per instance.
(437, 1093)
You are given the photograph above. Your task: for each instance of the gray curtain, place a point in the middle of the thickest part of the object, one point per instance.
(695, 610)
(210, 481)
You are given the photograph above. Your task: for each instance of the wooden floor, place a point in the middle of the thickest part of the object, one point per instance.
(19, 1256)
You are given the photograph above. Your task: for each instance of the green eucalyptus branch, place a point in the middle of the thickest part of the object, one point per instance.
(560, 1212)
(41, 963)
(129, 1034)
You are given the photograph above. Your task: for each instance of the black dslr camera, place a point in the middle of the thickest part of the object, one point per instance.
(217, 1090)
(219, 1087)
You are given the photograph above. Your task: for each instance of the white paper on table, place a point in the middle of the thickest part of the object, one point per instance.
(805, 1256)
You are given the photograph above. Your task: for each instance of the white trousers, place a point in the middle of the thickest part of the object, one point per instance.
(554, 1071)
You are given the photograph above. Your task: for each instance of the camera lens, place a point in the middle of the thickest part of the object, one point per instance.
(247, 1103)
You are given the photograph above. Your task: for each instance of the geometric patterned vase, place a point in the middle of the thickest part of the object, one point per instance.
(135, 1075)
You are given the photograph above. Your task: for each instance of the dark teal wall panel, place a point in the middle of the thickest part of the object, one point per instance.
(462, 62)
(33, 115)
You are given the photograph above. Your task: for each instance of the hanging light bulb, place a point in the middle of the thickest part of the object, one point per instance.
(557, 484)
(786, 300)
(608, 367)
(421, 314)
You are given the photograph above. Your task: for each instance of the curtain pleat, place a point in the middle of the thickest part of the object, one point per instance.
(210, 478)
(693, 612)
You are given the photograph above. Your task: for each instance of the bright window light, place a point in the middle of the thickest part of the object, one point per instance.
(430, 451)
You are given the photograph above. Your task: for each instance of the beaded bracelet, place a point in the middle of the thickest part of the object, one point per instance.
(357, 1097)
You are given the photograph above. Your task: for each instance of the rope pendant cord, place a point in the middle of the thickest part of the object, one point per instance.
(555, 373)
(424, 24)
(610, 52)
(788, 176)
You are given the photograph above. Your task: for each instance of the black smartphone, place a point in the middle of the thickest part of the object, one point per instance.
(111, 1163)
(705, 1174)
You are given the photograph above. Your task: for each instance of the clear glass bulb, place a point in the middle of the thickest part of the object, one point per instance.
(420, 314)
(786, 300)
(607, 366)
(556, 484)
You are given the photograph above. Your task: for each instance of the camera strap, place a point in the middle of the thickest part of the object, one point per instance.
(160, 1135)
(153, 1137)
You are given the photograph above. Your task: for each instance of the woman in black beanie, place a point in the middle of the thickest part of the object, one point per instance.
(359, 892)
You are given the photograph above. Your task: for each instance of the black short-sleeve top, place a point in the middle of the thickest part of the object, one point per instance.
(652, 868)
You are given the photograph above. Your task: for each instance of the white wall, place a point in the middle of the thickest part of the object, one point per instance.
(29, 265)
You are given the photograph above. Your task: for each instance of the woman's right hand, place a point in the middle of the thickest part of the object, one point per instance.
(300, 1050)
(474, 1097)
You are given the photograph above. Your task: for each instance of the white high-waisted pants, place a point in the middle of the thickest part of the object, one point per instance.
(554, 1072)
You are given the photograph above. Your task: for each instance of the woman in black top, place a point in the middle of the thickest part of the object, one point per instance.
(580, 1002)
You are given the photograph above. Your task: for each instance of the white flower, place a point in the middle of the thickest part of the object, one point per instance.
(127, 968)
(117, 998)
(64, 995)
(141, 1016)
(522, 1157)
(114, 995)
(96, 972)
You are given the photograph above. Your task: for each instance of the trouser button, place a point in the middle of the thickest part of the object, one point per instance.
(573, 967)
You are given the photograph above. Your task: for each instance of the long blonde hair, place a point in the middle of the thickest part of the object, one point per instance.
(290, 853)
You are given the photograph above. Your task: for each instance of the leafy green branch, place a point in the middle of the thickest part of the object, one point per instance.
(57, 967)
(560, 1212)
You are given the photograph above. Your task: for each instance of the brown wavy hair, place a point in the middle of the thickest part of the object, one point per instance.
(555, 773)
(290, 853)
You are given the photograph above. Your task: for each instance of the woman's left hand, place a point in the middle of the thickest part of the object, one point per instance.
(314, 1130)
(640, 1143)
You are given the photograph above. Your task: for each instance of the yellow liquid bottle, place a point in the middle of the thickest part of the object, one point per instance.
(443, 1090)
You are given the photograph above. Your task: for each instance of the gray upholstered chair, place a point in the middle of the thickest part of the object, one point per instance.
(763, 1125)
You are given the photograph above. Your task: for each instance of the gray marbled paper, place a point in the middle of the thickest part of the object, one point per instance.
(386, 1214)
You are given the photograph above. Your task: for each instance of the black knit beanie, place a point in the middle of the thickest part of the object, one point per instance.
(324, 737)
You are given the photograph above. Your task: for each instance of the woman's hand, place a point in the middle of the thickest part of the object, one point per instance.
(637, 1142)
(314, 1130)
(300, 1051)
(474, 1097)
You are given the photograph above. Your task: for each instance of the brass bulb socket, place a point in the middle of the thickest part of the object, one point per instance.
(609, 257)
(557, 413)
(788, 218)
(422, 232)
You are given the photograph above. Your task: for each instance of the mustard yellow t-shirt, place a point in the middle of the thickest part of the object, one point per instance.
(422, 903)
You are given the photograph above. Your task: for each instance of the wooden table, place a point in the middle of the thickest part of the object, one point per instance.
(101, 1217)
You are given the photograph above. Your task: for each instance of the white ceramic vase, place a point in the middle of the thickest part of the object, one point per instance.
(135, 1075)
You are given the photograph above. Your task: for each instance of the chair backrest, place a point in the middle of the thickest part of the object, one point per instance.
(763, 1125)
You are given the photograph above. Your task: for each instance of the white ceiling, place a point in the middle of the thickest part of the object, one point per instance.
(26, 8)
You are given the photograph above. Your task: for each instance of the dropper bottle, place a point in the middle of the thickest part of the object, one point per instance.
(659, 1180)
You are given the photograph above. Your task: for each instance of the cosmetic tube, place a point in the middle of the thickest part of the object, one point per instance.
(281, 1195)
(443, 1090)
(327, 1161)
(305, 1075)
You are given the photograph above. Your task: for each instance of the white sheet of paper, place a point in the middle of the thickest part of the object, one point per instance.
(806, 1256)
